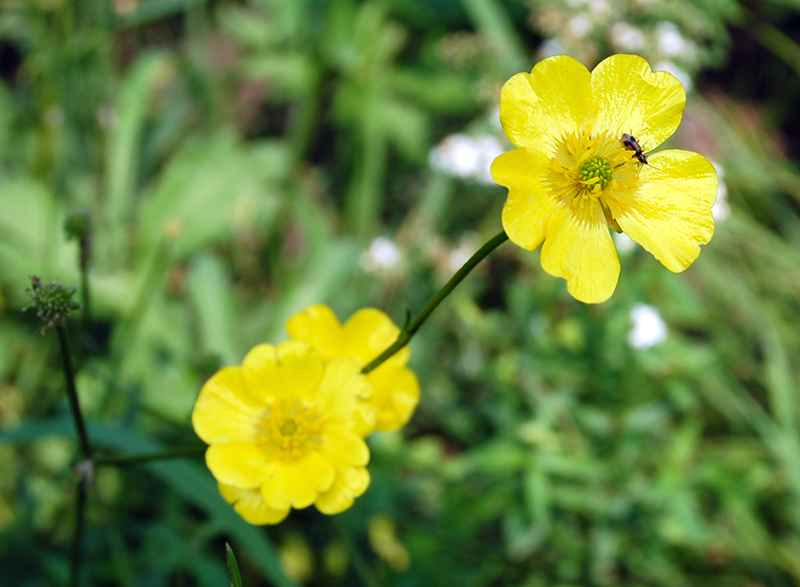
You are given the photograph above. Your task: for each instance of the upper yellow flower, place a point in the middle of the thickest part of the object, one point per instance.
(363, 337)
(571, 177)
(286, 429)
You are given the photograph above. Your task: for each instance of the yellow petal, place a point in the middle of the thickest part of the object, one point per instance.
(293, 369)
(630, 98)
(340, 392)
(671, 216)
(225, 412)
(298, 483)
(579, 248)
(346, 448)
(348, 484)
(318, 326)
(251, 506)
(364, 419)
(554, 99)
(396, 396)
(529, 204)
(368, 333)
(240, 465)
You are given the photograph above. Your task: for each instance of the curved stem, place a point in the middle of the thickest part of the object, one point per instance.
(409, 330)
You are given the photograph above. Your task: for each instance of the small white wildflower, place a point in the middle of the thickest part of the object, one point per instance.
(624, 243)
(466, 157)
(670, 40)
(551, 47)
(648, 327)
(382, 255)
(627, 37)
(721, 208)
(579, 26)
(599, 7)
(670, 67)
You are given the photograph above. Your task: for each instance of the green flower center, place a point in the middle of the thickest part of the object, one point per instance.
(288, 428)
(595, 170)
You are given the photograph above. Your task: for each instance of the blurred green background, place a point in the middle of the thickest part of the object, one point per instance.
(244, 159)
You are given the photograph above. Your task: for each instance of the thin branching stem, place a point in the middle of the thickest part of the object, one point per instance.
(77, 541)
(409, 330)
(72, 394)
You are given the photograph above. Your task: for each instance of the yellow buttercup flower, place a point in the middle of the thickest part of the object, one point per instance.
(572, 177)
(286, 430)
(363, 337)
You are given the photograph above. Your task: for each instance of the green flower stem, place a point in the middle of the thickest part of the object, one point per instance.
(408, 331)
(149, 457)
(77, 541)
(86, 314)
(72, 395)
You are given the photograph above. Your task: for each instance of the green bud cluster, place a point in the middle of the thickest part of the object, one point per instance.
(51, 301)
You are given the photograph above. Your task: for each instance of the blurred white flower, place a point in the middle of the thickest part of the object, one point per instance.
(579, 26)
(494, 118)
(599, 6)
(670, 67)
(670, 40)
(627, 37)
(466, 157)
(721, 209)
(624, 243)
(648, 327)
(382, 255)
(551, 47)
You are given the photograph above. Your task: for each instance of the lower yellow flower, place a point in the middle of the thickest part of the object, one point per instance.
(364, 336)
(286, 430)
(574, 175)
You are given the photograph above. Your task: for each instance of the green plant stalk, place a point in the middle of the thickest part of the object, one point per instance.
(77, 541)
(411, 328)
(72, 395)
(86, 314)
(149, 457)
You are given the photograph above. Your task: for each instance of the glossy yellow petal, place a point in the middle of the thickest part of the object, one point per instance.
(341, 390)
(579, 248)
(318, 326)
(225, 412)
(368, 333)
(251, 506)
(630, 98)
(671, 216)
(529, 203)
(293, 369)
(297, 484)
(396, 396)
(348, 484)
(538, 108)
(364, 419)
(346, 448)
(240, 465)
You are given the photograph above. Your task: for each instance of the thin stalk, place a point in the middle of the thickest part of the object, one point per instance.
(72, 395)
(410, 330)
(149, 457)
(77, 541)
(86, 315)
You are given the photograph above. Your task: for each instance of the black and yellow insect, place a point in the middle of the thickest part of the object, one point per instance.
(630, 143)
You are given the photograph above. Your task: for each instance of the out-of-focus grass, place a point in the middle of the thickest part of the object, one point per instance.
(238, 159)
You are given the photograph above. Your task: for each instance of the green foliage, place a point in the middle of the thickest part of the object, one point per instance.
(238, 159)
